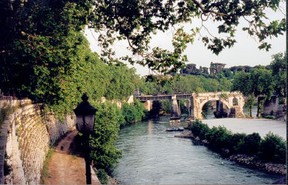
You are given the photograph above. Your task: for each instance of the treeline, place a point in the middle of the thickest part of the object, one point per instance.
(183, 84)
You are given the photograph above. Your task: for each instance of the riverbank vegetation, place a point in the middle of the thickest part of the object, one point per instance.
(108, 121)
(270, 149)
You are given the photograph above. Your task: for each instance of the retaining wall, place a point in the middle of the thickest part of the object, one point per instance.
(25, 138)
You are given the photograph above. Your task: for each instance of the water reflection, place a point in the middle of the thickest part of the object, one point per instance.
(210, 115)
(149, 127)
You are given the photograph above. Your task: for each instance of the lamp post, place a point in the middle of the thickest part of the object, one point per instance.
(85, 115)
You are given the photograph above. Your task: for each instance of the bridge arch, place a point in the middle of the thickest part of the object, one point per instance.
(229, 99)
(214, 99)
(225, 103)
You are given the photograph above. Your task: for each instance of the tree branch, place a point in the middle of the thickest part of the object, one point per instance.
(207, 11)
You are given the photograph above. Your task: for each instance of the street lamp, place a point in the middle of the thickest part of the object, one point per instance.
(85, 115)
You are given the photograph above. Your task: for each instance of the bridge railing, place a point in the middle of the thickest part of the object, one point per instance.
(162, 97)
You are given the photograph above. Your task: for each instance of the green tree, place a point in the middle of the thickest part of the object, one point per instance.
(122, 82)
(47, 58)
(279, 72)
(262, 85)
(133, 112)
(104, 152)
(209, 84)
(224, 84)
(236, 142)
(262, 82)
(148, 87)
(273, 148)
(182, 84)
(242, 82)
(257, 82)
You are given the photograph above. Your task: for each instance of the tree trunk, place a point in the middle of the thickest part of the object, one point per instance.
(250, 110)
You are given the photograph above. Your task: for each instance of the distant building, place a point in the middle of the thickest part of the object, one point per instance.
(190, 69)
(216, 68)
(204, 70)
(236, 69)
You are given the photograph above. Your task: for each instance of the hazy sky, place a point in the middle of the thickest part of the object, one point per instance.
(244, 52)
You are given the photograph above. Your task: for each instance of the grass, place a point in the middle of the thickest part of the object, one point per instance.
(44, 173)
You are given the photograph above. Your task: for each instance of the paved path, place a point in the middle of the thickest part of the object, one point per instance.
(248, 126)
(64, 168)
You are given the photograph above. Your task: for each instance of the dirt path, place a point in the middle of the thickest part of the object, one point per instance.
(64, 168)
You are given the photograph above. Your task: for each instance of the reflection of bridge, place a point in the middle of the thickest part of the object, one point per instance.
(233, 101)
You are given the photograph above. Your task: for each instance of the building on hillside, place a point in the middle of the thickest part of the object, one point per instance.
(236, 69)
(190, 69)
(216, 68)
(204, 70)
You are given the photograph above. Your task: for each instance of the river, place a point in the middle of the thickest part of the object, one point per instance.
(153, 156)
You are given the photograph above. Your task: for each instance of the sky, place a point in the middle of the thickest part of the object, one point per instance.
(244, 52)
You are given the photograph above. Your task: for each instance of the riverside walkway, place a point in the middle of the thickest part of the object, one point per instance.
(64, 168)
(248, 126)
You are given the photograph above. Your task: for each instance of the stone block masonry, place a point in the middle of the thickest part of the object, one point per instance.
(25, 138)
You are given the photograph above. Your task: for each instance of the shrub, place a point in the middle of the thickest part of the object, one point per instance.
(103, 140)
(199, 129)
(132, 112)
(251, 144)
(195, 127)
(235, 143)
(219, 137)
(203, 131)
(102, 176)
(273, 148)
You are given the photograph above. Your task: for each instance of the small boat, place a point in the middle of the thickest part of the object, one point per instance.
(173, 129)
(175, 118)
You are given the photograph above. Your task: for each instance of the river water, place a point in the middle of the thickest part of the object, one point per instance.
(153, 156)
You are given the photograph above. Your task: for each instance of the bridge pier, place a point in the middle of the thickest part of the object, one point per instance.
(148, 104)
(176, 112)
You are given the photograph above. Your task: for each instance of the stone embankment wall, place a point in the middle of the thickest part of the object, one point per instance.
(25, 138)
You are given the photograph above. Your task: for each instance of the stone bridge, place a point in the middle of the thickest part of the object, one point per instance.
(233, 102)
